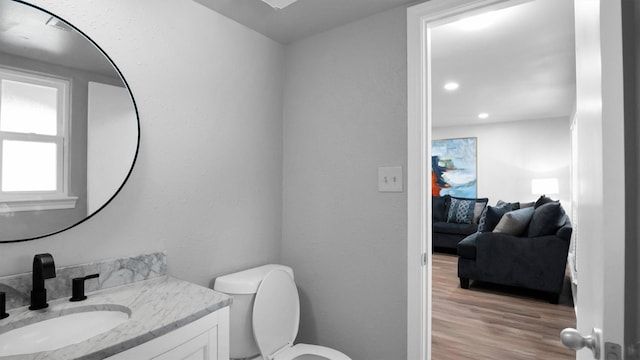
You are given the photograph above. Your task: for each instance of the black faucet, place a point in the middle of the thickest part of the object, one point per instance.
(43, 268)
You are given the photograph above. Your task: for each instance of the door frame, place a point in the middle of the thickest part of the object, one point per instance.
(419, 240)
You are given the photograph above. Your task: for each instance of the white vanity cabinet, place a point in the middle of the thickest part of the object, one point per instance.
(204, 339)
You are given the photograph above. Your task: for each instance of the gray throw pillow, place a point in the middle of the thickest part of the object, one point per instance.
(546, 220)
(515, 222)
(478, 209)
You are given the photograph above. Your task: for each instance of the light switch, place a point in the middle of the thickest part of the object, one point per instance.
(390, 179)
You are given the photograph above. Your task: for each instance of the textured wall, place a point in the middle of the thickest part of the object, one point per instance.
(345, 116)
(207, 186)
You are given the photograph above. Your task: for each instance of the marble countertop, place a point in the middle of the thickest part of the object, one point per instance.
(157, 306)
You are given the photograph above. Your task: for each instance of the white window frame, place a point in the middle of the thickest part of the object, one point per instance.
(42, 200)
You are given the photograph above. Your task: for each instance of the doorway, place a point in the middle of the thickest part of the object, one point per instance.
(420, 136)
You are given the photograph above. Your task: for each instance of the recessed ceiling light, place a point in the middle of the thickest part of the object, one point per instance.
(279, 4)
(483, 115)
(450, 86)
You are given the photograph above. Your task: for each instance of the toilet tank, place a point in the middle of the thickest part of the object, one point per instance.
(242, 286)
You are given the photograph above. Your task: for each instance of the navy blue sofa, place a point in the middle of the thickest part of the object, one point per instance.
(447, 234)
(532, 262)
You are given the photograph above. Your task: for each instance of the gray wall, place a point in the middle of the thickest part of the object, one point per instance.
(207, 186)
(345, 116)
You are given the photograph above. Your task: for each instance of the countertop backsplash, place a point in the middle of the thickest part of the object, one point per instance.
(112, 273)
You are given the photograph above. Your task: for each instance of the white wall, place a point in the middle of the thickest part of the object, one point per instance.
(345, 115)
(207, 185)
(110, 116)
(511, 154)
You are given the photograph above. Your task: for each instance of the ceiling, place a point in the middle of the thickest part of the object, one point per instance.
(300, 19)
(24, 32)
(520, 67)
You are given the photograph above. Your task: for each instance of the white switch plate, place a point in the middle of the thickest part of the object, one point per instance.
(390, 179)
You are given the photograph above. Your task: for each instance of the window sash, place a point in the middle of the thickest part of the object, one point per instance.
(61, 141)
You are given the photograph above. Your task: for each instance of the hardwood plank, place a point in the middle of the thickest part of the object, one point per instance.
(494, 322)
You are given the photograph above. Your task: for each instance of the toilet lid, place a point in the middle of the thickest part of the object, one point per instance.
(276, 313)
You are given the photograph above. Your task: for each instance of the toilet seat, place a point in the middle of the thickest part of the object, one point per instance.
(306, 349)
(276, 317)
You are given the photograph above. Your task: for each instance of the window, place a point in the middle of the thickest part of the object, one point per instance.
(34, 128)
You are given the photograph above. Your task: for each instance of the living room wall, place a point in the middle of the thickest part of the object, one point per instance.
(511, 154)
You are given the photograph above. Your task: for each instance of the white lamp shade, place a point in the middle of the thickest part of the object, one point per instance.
(545, 186)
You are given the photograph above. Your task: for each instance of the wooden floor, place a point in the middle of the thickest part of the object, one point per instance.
(491, 322)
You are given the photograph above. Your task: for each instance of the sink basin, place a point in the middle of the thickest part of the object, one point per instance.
(44, 333)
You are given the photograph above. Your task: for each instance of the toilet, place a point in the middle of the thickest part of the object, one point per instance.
(265, 315)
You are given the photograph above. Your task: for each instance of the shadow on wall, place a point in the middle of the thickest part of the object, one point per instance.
(308, 332)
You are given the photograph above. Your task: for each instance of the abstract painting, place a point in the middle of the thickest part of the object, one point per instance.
(454, 167)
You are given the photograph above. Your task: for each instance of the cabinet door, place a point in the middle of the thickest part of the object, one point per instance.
(201, 347)
(204, 339)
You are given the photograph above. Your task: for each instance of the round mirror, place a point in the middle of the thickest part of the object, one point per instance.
(69, 128)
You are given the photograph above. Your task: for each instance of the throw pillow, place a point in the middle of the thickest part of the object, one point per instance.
(515, 222)
(483, 220)
(461, 211)
(546, 220)
(492, 218)
(500, 204)
(440, 205)
(544, 200)
(478, 209)
(526, 205)
(507, 205)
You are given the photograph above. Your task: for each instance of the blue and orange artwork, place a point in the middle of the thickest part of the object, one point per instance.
(453, 165)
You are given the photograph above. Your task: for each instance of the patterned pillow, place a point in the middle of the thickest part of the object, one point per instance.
(491, 218)
(482, 222)
(461, 211)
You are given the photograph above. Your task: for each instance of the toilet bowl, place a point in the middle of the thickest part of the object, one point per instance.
(265, 319)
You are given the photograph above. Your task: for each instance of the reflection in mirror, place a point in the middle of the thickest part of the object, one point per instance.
(68, 125)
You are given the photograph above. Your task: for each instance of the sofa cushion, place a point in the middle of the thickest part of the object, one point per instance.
(453, 228)
(440, 205)
(547, 219)
(461, 210)
(515, 222)
(492, 218)
(467, 247)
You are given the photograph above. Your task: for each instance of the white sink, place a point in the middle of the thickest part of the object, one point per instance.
(60, 331)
